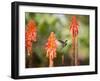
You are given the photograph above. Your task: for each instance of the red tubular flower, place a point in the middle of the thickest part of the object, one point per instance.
(74, 26)
(74, 31)
(30, 35)
(51, 47)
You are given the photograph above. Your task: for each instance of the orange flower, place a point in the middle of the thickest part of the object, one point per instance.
(51, 47)
(74, 26)
(30, 35)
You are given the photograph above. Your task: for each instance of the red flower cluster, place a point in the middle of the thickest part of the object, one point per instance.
(51, 46)
(30, 35)
(74, 26)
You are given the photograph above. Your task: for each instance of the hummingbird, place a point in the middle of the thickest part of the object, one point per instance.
(64, 43)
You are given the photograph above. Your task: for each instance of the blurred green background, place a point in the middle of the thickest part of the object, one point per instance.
(60, 25)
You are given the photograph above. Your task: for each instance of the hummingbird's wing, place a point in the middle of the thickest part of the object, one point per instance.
(61, 41)
(66, 40)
